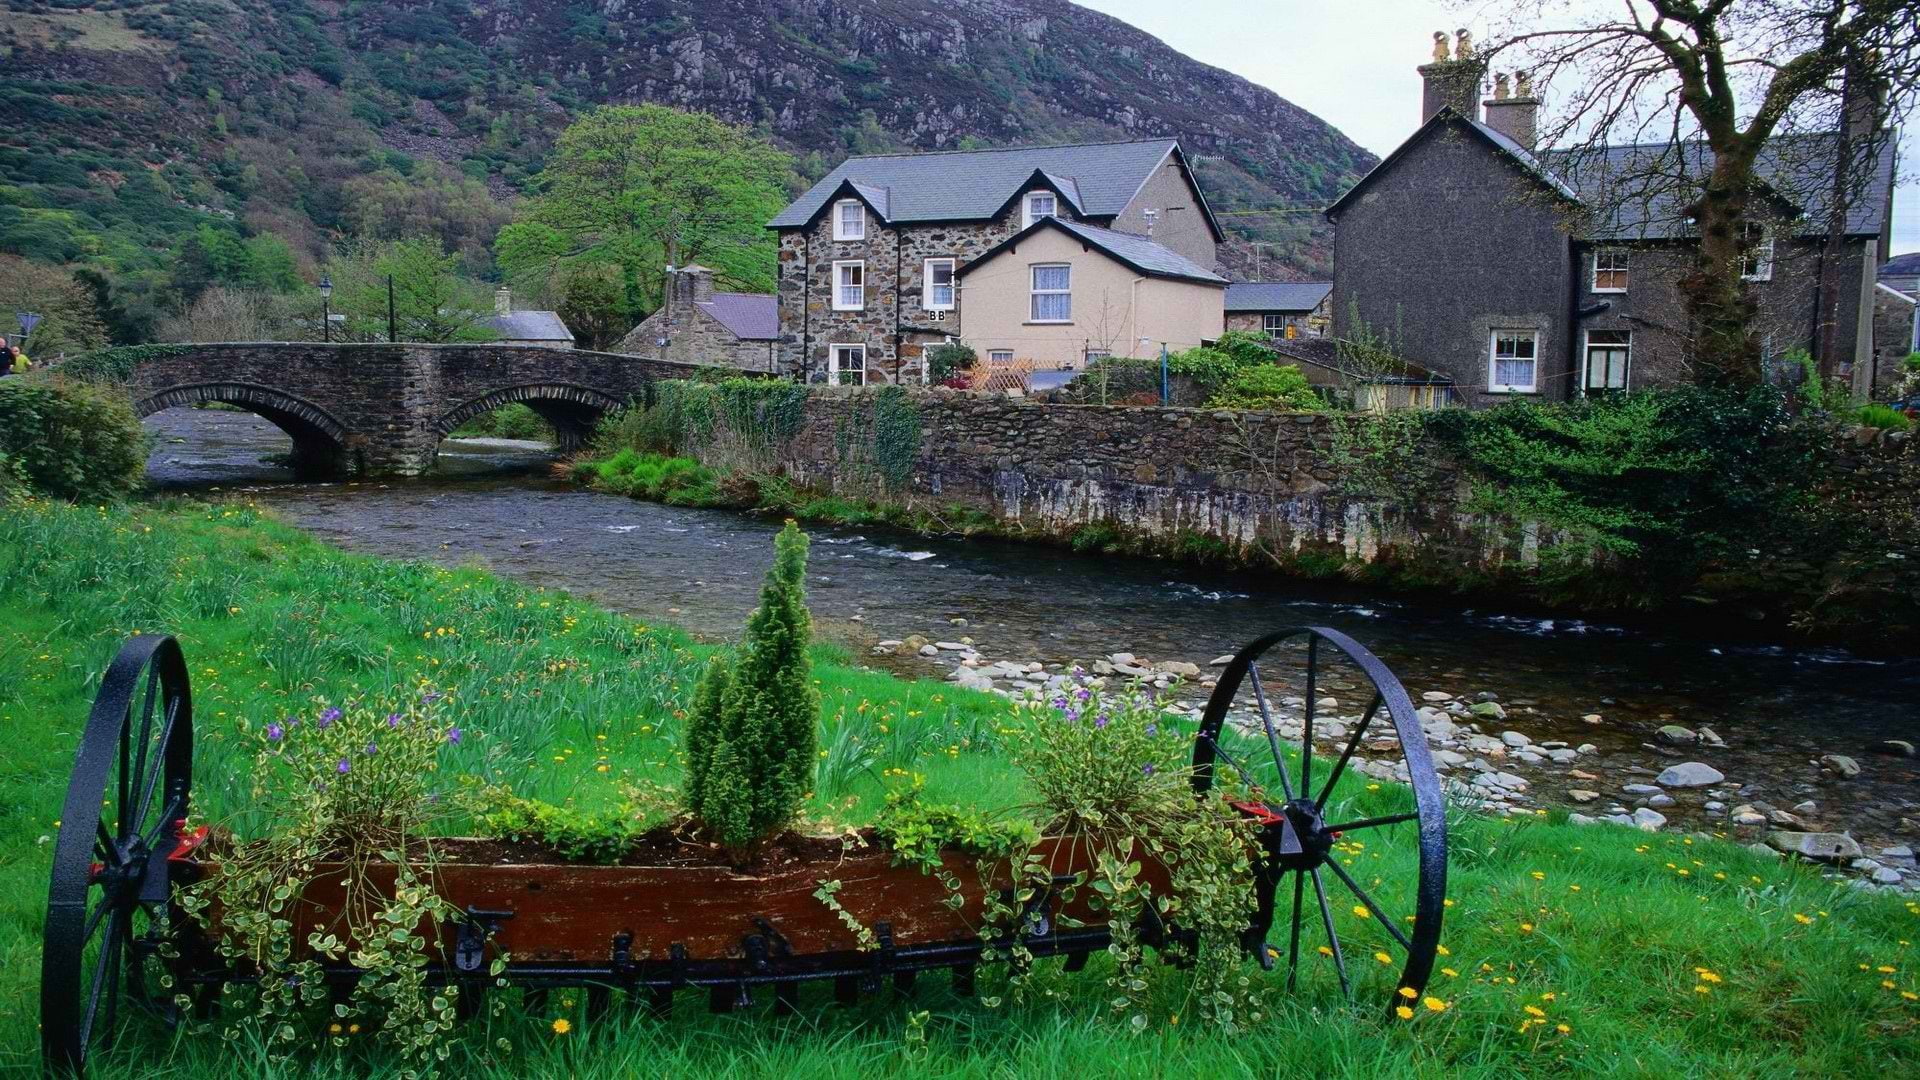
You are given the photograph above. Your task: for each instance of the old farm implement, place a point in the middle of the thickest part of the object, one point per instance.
(118, 944)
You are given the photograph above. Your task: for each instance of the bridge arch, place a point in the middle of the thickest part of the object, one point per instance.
(322, 445)
(570, 408)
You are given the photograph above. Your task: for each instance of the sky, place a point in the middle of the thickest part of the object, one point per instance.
(1351, 63)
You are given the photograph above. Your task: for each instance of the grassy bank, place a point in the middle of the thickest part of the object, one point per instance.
(1569, 949)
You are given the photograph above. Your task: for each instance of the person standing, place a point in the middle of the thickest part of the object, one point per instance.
(6, 358)
(18, 362)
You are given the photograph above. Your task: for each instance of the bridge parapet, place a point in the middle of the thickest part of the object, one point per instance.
(383, 409)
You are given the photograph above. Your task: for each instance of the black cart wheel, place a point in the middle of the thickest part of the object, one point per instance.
(109, 897)
(1384, 847)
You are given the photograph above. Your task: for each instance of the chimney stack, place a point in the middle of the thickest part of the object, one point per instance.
(1863, 101)
(1515, 113)
(1452, 79)
(503, 301)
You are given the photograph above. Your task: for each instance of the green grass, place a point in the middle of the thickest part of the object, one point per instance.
(1598, 927)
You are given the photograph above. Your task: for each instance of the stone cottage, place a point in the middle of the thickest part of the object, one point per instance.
(526, 326)
(1556, 273)
(1280, 309)
(698, 325)
(873, 258)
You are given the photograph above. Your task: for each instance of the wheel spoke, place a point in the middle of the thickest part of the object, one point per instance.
(146, 738)
(1333, 938)
(1381, 916)
(1293, 950)
(124, 930)
(174, 806)
(100, 968)
(1228, 758)
(1306, 728)
(103, 844)
(1374, 822)
(1273, 739)
(146, 796)
(99, 914)
(1347, 754)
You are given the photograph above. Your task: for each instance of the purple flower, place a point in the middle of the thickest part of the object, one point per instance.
(430, 697)
(344, 767)
(371, 748)
(275, 732)
(393, 719)
(1073, 716)
(453, 736)
(1153, 729)
(1146, 770)
(329, 717)
(1059, 703)
(1101, 721)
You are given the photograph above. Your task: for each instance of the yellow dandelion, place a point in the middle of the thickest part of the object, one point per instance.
(1801, 919)
(1443, 950)
(1450, 973)
(1538, 875)
(1702, 988)
(1886, 984)
(334, 1029)
(1885, 969)
(1403, 1012)
(1526, 928)
(1383, 958)
(1361, 911)
(1910, 995)
(1562, 1029)
(562, 1026)
(1534, 1010)
(1434, 1004)
(1408, 992)
(1324, 951)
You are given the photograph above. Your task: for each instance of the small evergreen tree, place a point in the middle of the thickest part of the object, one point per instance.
(751, 735)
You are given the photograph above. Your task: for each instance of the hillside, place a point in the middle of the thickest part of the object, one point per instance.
(127, 124)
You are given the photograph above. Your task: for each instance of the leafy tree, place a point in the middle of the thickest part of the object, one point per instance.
(751, 736)
(70, 319)
(647, 186)
(433, 301)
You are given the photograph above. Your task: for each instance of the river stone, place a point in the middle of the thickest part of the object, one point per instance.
(1562, 756)
(956, 621)
(1177, 667)
(914, 641)
(1436, 695)
(1582, 796)
(1591, 718)
(1708, 737)
(929, 650)
(1902, 854)
(1691, 774)
(1886, 875)
(1842, 766)
(1748, 816)
(1582, 774)
(1660, 802)
(1133, 670)
(1514, 739)
(1582, 819)
(1587, 748)
(1648, 820)
(952, 646)
(1807, 807)
(1820, 846)
(1894, 747)
(1488, 710)
(1221, 661)
(1675, 735)
(1781, 817)
(1120, 658)
(1640, 789)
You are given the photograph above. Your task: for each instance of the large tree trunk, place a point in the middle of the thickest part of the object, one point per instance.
(1726, 351)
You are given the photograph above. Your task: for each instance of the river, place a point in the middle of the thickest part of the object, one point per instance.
(494, 504)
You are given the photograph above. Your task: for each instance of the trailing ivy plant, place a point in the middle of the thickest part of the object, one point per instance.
(350, 787)
(751, 743)
(1112, 772)
(879, 436)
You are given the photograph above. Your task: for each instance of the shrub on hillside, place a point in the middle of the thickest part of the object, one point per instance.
(1882, 416)
(750, 737)
(70, 439)
(1266, 386)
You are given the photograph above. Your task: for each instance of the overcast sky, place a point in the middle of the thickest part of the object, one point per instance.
(1351, 62)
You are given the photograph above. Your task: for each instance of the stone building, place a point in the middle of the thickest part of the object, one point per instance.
(527, 327)
(1280, 309)
(698, 325)
(1556, 273)
(872, 256)
(1896, 334)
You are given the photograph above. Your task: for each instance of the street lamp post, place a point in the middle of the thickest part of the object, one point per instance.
(326, 308)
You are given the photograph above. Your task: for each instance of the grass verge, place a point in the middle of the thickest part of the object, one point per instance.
(1594, 950)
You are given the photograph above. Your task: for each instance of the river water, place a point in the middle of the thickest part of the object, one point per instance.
(493, 504)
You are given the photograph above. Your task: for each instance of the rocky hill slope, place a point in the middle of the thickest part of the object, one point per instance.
(124, 122)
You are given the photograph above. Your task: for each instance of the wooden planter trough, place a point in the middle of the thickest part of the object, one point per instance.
(658, 929)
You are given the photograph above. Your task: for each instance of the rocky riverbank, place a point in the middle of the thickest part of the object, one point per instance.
(1490, 765)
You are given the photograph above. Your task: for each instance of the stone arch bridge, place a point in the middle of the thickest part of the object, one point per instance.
(382, 410)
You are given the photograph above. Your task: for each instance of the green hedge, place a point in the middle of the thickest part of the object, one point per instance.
(71, 439)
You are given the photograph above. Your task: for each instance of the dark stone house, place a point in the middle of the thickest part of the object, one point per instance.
(871, 255)
(1280, 309)
(698, 325)
(1555, 273)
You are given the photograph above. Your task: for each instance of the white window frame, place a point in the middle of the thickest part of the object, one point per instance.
(840, 222)
(1616, 264)
(1760, 253)
(834, 369)
(927, 299)
(1027, 214)
(1586, 361)
(1494, 385)
(1000, 356)
(1274, 326)
(839, 303)
(1035, 292)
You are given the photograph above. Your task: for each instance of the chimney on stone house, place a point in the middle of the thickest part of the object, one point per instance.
(1514, 112)
(1453, 78)
(503, 301)
(1863, 102)
(688, 285)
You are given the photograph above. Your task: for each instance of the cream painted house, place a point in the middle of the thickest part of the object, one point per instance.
(1060, 292)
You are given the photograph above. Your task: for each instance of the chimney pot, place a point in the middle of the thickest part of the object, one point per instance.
(1451, 82)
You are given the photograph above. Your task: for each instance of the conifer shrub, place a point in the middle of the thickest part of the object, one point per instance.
(751, 739)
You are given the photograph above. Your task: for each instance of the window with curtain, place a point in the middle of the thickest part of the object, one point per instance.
(939, 290)
(849, 286)
(1053, 293)
(1515, 361)
(1608, 352)
(1040, 204)
(849, 220)
(1757, 263)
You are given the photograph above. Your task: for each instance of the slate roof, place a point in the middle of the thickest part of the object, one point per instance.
(751, 316)
(530, 326)
(1290, 296)
(968, 185)
(1138, 252)
(1634, 191)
